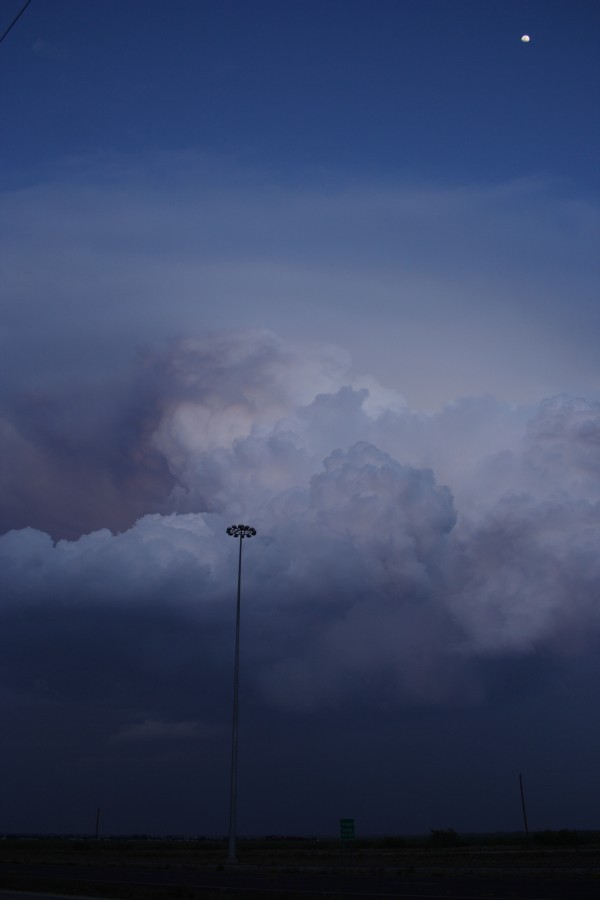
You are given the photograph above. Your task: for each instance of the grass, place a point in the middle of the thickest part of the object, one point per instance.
(65, 864)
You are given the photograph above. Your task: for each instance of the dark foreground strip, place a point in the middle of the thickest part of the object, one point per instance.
(195, 884)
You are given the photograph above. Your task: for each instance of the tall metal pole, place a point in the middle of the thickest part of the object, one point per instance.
(231, 855)
(523, 805)
(241, 532)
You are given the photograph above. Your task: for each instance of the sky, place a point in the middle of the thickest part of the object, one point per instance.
(330, 269)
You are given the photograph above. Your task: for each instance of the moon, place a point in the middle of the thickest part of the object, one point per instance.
(525, 38)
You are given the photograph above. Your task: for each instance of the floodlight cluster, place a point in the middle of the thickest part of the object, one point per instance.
(241, 531)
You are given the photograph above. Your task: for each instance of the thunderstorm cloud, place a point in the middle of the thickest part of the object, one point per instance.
(469, 533)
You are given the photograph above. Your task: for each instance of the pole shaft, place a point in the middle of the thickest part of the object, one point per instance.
(236, 678)
(523, 805)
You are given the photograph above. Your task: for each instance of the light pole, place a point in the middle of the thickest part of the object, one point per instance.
(523, 806)
(241, 532)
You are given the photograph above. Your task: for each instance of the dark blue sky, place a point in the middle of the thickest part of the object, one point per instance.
(433, 89)
(331, 268)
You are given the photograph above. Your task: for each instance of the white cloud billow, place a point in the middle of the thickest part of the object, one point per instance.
(395, 550)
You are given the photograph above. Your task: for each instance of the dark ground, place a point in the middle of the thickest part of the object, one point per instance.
(552, 866)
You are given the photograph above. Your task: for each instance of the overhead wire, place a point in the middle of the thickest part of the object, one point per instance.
(14, 21)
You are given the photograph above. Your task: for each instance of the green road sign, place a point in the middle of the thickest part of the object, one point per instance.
(347, 829)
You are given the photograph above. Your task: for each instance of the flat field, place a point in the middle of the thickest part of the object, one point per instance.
(550, 865)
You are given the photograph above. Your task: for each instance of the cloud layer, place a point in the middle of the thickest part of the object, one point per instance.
(431, 287)
(431, 567)
(396, 551)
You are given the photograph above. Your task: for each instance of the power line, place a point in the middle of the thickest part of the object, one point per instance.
(15, 20)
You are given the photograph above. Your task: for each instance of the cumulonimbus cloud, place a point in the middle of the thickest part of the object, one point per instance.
(395, 550)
